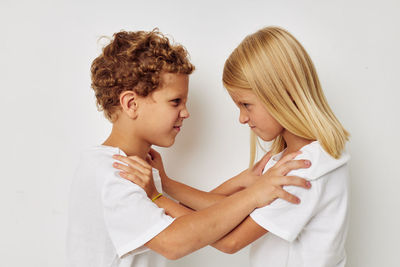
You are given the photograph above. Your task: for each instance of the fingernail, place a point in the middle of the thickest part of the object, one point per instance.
(298, 201)
(308, 184)
(115, 156)
(308, 163)
(115, 164)
(122, 174)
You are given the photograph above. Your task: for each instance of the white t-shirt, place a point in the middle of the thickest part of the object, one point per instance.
(313, 233)
(110, 218)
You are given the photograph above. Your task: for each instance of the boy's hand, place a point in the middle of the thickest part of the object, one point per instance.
(281, 168)
(138, 171)
(268, 188)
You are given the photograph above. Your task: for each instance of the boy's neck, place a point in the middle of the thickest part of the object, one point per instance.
(294, 143)
(126, 141)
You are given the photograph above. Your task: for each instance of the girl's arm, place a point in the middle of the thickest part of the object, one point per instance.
(197, 199)
(244, 234)
(193, 230)
(243, 179)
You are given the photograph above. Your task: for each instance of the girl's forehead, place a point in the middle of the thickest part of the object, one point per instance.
(239, 93)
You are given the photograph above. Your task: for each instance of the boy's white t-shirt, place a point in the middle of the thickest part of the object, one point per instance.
(312, 233)
(110, 218)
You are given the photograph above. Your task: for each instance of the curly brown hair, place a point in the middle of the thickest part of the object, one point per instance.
(134, 61)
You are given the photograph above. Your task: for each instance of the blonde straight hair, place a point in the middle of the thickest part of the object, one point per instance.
(276, 67)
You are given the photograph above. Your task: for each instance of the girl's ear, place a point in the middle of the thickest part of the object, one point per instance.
(129, 103)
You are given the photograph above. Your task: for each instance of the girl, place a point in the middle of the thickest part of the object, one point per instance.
(272, 80)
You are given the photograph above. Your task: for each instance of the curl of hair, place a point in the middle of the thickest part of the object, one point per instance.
(276, 67)
(134, 61)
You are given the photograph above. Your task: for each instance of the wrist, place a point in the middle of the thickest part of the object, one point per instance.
(166, 182)
(156, 197)
(153, 194)
(251, 196)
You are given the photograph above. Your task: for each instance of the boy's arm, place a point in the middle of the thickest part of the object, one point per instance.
(197, 199)
(244, 234)
(198, 229)
(193, 230)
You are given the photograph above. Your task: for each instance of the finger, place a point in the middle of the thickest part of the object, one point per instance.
(140, 161)
(260, 165)
(292, 180)
(288, 197)
(287, 158)
(149, 159)
(133, 178)
(154, 154)
(128, 169)
(133, 162)
(293, 165)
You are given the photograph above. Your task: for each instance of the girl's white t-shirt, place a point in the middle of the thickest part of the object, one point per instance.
(110, 218)
(312, 233)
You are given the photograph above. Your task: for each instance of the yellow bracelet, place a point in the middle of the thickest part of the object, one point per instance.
(156, 197)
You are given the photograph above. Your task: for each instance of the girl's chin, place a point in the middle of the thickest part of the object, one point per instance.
(266, 138)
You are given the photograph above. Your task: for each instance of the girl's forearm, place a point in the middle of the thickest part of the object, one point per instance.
(229, 187)
(198, 229)
(189, 196)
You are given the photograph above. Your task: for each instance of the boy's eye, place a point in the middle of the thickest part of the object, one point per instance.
(176, 101)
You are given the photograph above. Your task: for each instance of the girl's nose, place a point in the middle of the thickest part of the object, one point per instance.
(243, 118)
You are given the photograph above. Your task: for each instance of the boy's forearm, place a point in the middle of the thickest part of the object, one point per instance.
(198, 229)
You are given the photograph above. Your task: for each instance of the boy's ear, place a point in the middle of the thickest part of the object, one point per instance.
(129, 103)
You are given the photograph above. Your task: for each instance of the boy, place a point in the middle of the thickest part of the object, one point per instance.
(141, 83)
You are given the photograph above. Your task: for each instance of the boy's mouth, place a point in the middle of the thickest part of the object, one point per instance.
(178, 128)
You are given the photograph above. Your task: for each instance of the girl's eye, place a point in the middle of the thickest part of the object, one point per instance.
(246, 105)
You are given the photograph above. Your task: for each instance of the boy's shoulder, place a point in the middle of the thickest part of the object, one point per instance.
(100, 153)
(97, 160)
(321, 162)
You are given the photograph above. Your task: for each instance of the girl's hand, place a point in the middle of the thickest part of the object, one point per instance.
(138, 171)
(155, 160)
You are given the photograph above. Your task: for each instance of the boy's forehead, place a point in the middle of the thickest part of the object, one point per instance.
(172, 83)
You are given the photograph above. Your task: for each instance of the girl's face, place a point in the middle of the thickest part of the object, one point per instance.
(253, 113)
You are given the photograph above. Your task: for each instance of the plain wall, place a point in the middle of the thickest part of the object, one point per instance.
(48, 111)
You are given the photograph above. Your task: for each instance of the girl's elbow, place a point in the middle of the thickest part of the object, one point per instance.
(230, 247)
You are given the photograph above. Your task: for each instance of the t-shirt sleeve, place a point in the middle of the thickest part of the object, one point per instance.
(285, 219)
(131, 218)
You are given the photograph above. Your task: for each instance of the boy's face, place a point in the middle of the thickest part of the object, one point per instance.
(160, 114)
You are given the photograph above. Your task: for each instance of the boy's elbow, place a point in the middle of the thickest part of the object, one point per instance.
(173, 251)
(172, 255)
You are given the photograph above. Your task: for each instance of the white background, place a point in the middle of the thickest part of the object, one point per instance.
(48, 112)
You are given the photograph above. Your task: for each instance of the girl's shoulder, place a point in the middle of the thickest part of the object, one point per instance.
(321, 162)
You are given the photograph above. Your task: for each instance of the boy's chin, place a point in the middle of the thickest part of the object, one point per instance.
(165, 144)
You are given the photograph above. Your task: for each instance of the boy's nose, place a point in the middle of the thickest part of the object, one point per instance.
(185, 113)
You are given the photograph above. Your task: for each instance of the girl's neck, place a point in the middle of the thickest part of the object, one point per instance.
(128, 143)
(293, 142)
